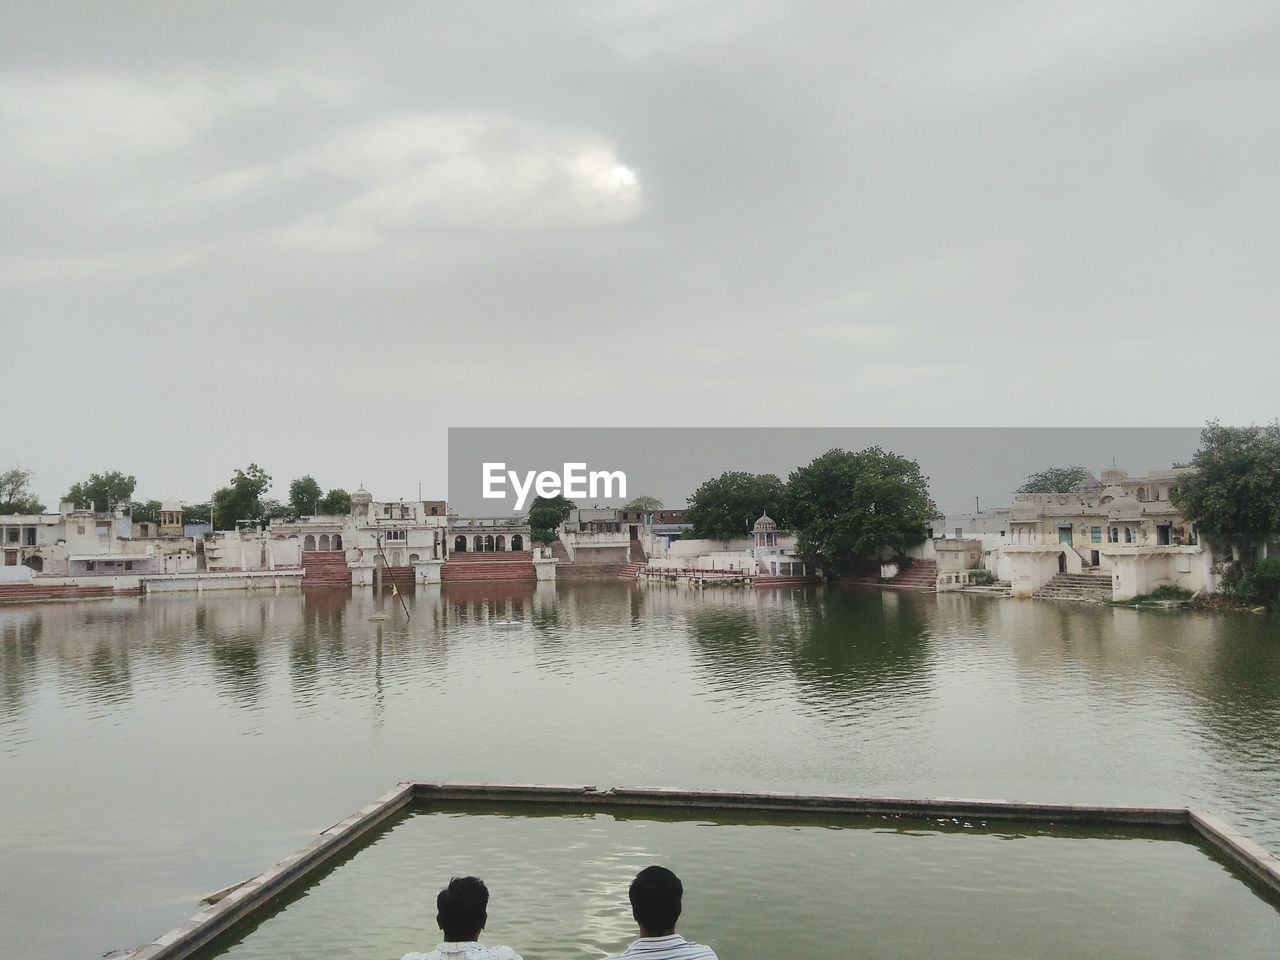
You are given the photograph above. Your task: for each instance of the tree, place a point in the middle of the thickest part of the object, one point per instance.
(1054, 480)
(275, 510)
(304, 496)
(547, 513)
(145, 511)
(102, 491)
(846, 507)
(198, 513)
(643, 503)
(242, 500)
(335, 503)
(1233, 497)
(16, 495)
(728, 505)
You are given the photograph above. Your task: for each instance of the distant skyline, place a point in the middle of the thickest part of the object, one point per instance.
(317, 236)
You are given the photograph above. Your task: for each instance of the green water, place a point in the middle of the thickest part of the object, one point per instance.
(154, 750)
(781, 886)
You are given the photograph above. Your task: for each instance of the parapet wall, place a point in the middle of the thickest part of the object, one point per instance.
(241, 902)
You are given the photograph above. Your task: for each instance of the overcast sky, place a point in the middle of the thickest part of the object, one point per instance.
(316, 235)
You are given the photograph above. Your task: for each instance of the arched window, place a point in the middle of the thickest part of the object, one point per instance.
(488, 543)
(413, 558)
(337, 541)
(459, 544)
(500, 542)
(517, 542)
(309, 544)
(323, 543)
(478, 543)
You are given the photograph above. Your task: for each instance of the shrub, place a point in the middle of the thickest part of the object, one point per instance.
(1260, 583)
(1167, 592)
(981, 576)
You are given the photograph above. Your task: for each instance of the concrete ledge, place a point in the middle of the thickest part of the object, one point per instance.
(1239, 849)
(251, 896)
(241, 901)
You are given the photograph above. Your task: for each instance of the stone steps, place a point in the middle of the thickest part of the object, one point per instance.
(631, 571)
(497, 565)
(28, 592)
(325, 568)
(1088, 587)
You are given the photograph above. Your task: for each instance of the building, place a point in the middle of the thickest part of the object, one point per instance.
(85, 543)
(1117, 526)
(767, 553)
(489, 535)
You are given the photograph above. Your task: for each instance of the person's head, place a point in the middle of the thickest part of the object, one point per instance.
(655, 901)
(461, 909)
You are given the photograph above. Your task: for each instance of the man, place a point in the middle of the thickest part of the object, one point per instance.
(461, 912)
(656, 895)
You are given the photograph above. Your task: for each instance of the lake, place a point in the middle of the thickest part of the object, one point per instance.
(152, 751)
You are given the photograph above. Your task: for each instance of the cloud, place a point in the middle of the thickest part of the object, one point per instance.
(418, 172)
(145, 175)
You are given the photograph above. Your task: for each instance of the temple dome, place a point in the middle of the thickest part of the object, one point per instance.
(764, 524)
(1114, 474)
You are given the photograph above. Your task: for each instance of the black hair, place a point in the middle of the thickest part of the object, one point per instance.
(461, 908)
(655, 899)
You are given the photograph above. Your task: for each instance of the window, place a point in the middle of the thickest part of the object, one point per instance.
(1128, 534)
(396, 535)
(959, 533)
(80, 528)
(89, 565)
(1095, 534)
(435, 511)
(128, 564)
(12, 534)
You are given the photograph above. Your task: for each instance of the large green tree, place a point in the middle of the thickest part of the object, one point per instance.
(102, 491)
(643, 503)
(304, 496)
(145, 511)
(335, 503)
(727, 506)
(547, 513)
(1233, 496)
(1054, 480)
(242, 499)
(16, 495)
(847, 507)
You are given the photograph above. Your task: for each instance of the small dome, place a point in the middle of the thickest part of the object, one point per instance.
(1114, 474)
(361, 495)
(765, 523)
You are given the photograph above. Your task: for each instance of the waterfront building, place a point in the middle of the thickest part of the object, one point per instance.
(1114, 526)
(76, 542)
(510, 534)
(767, 552)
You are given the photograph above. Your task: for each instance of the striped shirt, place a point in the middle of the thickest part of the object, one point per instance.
(674, 947)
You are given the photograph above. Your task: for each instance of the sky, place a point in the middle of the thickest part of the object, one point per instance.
(316, 235)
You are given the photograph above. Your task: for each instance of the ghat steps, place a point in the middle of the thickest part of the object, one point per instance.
(326, 567)
(495, 565)
(1076, 586)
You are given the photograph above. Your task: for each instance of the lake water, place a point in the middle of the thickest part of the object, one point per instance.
(152, 751)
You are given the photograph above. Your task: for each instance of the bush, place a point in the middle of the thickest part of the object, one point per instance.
(981, 576)
(1259, 583)
(1167, 592)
